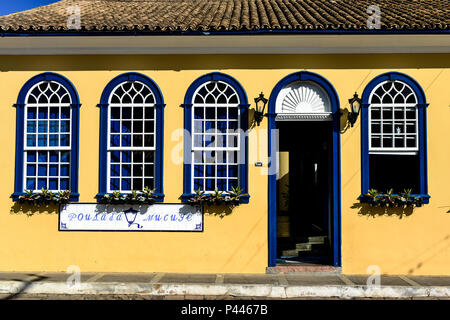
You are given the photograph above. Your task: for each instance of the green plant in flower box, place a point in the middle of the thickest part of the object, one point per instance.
(215, 197)
(199, 197)
(389, 199)
(145, 196)
(149, 194)
(44, 196)
(405, 198)
(236, 194)
(373, 196)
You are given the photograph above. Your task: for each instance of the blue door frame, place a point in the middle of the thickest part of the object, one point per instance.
(336, 168)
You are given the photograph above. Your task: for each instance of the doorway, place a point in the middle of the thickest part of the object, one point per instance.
(304, 192)
(304, 119)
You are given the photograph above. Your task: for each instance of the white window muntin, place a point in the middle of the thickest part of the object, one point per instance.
(230, 135)
(394, 122)
(132, 133)
(47, 120)
(48, 150)
(120, 148)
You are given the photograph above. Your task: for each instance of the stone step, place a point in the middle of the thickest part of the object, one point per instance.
(303, 268)
(306, 249)
(290, 253)
(317, 239)
(304, 246)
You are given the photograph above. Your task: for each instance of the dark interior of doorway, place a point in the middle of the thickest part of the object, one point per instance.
(304, 192)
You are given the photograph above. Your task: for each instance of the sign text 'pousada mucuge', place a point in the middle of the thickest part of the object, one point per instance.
(126, 217)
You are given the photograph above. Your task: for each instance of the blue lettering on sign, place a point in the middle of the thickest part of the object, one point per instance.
(157, 217)
(189, 217)
(173, 217)
(166, 217)
(87, 217)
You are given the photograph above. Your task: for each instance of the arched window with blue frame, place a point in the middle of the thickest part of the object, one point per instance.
(47, 136)
(215, 141)
(393, 128)
(131, 136)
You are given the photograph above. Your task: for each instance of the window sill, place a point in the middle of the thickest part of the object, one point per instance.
(159, 197)
(422, 198)
(186, 196)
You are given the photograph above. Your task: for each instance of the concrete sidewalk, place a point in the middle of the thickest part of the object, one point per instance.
(275, 286)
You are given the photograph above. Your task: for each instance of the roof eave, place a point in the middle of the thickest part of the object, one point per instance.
(336, 43)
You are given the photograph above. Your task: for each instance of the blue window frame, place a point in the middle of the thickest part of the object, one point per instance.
(47, 134)
(215, 141)
(131, 136)
(393, 135)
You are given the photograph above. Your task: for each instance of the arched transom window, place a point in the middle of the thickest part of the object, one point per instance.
(131, 132)
(215, 137)
(48, 133)
(393, 118)
(303, 100)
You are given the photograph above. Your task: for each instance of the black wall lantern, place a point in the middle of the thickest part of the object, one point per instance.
(260, 106)
(355, 105)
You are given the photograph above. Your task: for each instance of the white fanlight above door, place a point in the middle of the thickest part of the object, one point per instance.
(303, 100)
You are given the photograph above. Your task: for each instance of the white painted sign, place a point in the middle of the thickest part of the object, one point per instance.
(123, 217)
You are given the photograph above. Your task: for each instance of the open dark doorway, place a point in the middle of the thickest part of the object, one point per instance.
(304, 192)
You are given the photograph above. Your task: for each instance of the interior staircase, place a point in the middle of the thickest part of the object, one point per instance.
(311, 249)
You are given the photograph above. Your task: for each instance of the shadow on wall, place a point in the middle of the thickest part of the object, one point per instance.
(221, 210)
(344, 123)
(222, 62)
(420, 259)
(368, 210)
(251, 116)
(437, 248)
(32, 278)
(30, 210)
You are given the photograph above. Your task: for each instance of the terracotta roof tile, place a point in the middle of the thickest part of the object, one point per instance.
(230, 15)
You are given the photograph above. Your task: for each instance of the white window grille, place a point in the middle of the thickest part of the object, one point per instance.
(131, 137)
(215, 137)
(48, 131)
(393, 119)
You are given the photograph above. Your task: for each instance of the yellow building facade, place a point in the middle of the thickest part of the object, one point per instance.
(415, 242)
